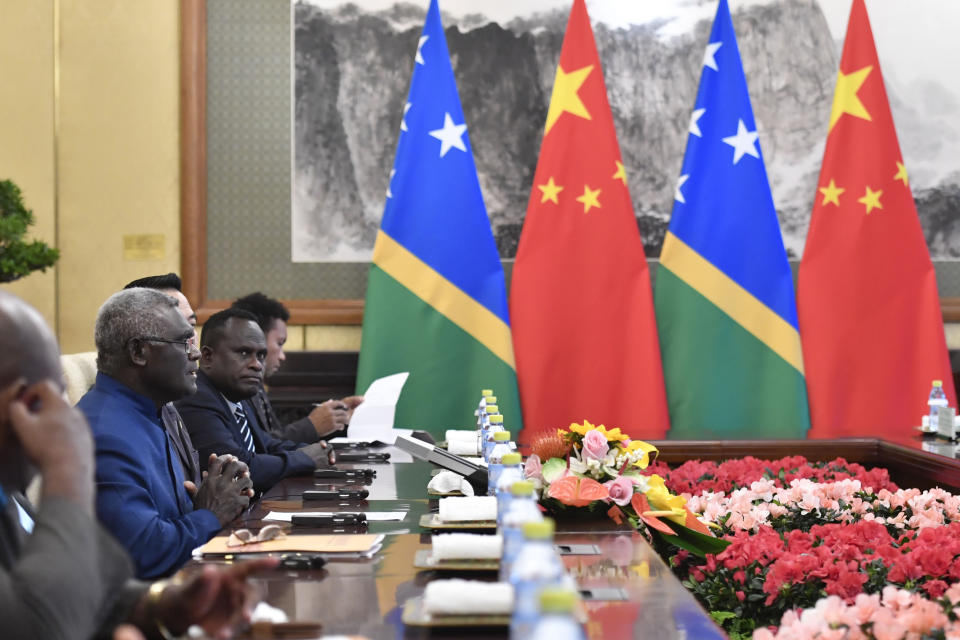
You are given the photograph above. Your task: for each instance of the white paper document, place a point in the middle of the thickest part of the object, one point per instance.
(372, 516)
(373, 419)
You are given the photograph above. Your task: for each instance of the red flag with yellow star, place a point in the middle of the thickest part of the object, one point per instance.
(581, 310)
(869, 312)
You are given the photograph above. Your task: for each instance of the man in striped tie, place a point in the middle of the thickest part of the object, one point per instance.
(220, 416)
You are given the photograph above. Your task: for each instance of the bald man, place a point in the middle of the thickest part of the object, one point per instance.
(61, 575)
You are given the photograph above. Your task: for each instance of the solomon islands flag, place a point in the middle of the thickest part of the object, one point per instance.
(436, 301)
(724, 298)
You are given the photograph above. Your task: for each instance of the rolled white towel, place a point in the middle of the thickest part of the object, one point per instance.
(463, 447)
(467, 546)
(461, 435)
(468, 597)
(468, 509)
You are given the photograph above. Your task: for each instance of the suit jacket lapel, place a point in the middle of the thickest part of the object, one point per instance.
(182, 444)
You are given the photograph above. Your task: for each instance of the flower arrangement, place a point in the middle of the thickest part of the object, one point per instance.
(592, 468)
(897, 614)
(796, 544)
(696, 476)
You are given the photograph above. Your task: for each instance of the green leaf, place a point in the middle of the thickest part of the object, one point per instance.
(553, 469)
(693, 541)
(720, 616)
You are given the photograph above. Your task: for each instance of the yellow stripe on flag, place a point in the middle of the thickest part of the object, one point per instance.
(732, 299)
(444, 296)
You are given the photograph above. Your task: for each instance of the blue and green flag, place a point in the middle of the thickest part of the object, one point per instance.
(725, 305)
(436, 301)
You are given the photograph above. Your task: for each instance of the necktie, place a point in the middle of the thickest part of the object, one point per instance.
(244, 429)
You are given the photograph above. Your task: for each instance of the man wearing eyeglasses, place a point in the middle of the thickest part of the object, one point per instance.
(147, 357)
(171, 285)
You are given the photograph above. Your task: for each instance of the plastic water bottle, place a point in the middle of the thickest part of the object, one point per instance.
(557, 621)
(937, 399)
(484, 394)
(487, 443)
(489, 412)
(536, 566)
(500, 448)
(521, 510)
(481, 409)
(512, 472)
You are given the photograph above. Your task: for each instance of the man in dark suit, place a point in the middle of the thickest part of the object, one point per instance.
(220, 416)
(171, 285)
(63, 577)
(325, 419)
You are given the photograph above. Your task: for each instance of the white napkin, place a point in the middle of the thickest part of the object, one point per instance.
(467, 546)
(463, 447)
(448, 481)
(464, 597)
(265, 613)
(468, 509)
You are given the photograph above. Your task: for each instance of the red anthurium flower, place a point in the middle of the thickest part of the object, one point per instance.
(576, 491)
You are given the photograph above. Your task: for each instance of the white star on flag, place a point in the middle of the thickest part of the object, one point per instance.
(678, 196)
(403, 120)
(451, 135)
(708, 59)
(745, 142)
(694, 124)
(419, 57)
(389, 180)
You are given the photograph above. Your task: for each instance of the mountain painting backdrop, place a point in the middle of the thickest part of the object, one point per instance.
(352, 65)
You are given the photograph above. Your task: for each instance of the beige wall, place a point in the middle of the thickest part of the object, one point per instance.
(111, 168)
(26, 128)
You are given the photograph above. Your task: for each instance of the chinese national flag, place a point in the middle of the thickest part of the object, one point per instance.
(584, 332)
(869, 312)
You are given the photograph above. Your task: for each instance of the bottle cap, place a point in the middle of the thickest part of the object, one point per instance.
(542, 530)
(491, 399)
(938, 383)
(496, 419)
(511, 458)
(501, 436)
(486, 392)
(521, 488)
(492, 408)
(557, 600)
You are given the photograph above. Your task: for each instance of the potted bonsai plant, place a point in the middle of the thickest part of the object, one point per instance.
(19, 257)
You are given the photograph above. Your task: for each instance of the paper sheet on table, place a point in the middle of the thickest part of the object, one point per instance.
(373, 419)
(314, 543)
(372, 516)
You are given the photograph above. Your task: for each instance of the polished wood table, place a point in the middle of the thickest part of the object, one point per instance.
(365, 597)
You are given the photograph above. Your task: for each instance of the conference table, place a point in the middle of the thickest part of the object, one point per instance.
(629, 589)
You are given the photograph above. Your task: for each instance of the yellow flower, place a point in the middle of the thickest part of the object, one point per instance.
(661, 499)
(581, 428)
(610, 435)
(613, 434)
(646, 447)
